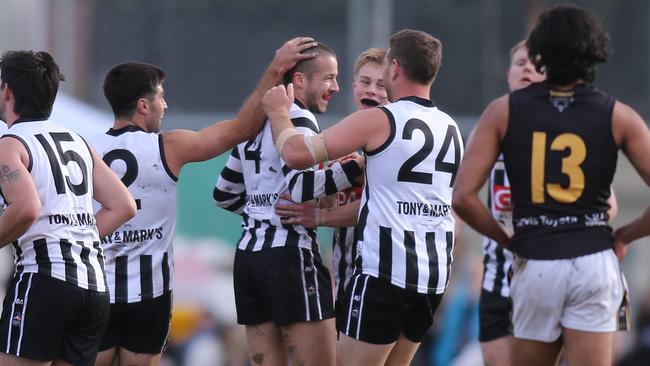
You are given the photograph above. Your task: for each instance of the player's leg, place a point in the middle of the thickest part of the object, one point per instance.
(108, 350)
(402, 352)
(311, 343)
(11, 360)
(587, 348)
(494, 328)
(352, 351)
(525, 352)
(538, 291)
(592, 311)
(265, 345)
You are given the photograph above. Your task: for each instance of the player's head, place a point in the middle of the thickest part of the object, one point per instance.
(418, 54)
(368, 83)
(31, 79)
(134, 89)
(567, 43)
(521, 72)
(314, 80)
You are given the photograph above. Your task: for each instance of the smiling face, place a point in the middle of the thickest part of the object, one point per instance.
(522, 72)
(368, 87)
(321, 84)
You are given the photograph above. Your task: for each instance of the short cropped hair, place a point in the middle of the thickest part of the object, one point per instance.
(371, 55)
(418, 53)
(568, 42)
(307, 66)
(33, 78)
(126, 83)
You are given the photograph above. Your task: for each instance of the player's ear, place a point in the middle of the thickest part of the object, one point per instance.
(142, 106)
(299, 79)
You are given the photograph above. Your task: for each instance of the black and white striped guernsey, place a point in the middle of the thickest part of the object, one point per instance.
(63, 242)
(496, 260)
(255, 176)
(139, 254)
(344, 244)
(406, 230)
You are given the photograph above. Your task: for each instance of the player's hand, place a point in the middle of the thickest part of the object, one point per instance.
(287, 56)
(620, 248)
(277, 101)
(304, 214)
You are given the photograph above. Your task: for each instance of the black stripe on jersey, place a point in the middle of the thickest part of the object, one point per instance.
(100, 256)
(164, 159)
(146, 277)
(269, 236)
(499, 177)
(29, 152)
(286, 170)
(125, 129)
(19, 257)
(342, 234)
(351, 170)
(70, 265)
(417, 100)
(385, 253)
(330, 184)
(223, 196)
(232, 176)
(121, 278)
(307, 185)
(42, 257)
(432, 253)
(305, 122)
(314, 240)
(391, 137)
(411, 259)
(165, 271)
(90, 270)
(253, 231)
(450, 245)
(501, 274)
(235, 153)
(308, 271)
(293, 238)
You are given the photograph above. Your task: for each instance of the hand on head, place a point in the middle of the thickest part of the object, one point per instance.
(293, 51)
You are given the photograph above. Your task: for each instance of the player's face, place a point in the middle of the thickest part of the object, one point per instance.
(368, 87)
(321, 84)
(522, 72)
(157, 107)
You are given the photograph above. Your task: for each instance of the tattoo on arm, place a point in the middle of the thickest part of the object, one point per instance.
(7, 175)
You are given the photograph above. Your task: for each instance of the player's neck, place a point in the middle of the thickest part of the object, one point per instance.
(412, 89)
(125, 122)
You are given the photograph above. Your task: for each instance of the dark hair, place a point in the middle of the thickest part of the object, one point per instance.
(307, 66)
(126, 83)
(418, 53)
(33, 78)
(567, 42)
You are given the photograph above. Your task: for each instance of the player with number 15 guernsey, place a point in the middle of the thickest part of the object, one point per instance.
(405, 229)
(56, 306)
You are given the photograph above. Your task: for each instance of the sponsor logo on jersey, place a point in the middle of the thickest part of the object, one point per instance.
(133, 236)
(502, 198)
(423, 209)
(261, 200)
(80, 219)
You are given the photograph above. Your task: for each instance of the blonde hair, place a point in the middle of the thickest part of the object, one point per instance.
(374, 55)
(515, 48)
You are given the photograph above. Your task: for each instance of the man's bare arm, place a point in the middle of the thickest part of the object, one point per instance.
(308, 215)
(480, 155)
(183, 146)
(118, 205)
(19, 191)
